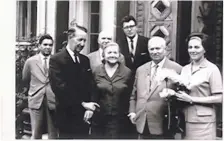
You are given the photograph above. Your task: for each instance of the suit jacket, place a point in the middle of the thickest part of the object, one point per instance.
(71, 84)
(141, 54)
(38, 81)
(95, 59)
(147, 104)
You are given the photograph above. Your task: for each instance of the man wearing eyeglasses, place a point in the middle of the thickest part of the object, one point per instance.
(96, 57)
(133, 46)
(41, 99)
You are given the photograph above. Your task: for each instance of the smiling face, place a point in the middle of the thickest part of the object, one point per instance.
(196, 50)
(157, 49)
(46, 47)
(130, 28)
(78, 40)
(111, 54)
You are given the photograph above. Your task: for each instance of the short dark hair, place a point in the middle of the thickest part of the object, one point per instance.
(127, 19)
(45, 36)
(204, 38)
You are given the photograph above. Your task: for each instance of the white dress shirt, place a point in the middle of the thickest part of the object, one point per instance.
(134, 44)
(71, 53)
(160, 65)
(43, 60)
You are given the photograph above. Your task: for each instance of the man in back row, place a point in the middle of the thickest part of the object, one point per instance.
(96, 57)
(133, 46)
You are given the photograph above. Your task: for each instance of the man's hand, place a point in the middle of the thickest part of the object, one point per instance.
(132, 117)
(90, 105)
(166, 93)
(88, 114)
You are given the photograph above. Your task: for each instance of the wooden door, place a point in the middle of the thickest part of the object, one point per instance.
(157, 18)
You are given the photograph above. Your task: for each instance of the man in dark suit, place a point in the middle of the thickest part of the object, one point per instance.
(146, 106)
(133, 46)
(70, 78)
(41, 99)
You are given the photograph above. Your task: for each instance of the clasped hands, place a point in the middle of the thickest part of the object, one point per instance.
(182, 96)
(90, 107)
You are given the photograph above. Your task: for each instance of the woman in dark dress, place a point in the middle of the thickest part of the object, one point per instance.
(113, 88)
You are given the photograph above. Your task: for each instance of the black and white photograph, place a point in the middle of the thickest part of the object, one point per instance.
(114, 69)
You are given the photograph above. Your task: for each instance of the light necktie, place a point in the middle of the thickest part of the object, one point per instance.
(152, 80)
(155, 71)
(45, 65)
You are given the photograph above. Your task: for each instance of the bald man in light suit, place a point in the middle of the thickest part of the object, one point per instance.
(96, 57)
(146, 106)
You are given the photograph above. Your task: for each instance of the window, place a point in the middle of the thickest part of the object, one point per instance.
(26, 20)
(94, 24)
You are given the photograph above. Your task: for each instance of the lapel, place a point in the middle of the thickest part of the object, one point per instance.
(126, 47)
(97, 57)
(40, 65)
(67, 57)
(118, 73)
(155, 84)
(138, 46)
(147, 80)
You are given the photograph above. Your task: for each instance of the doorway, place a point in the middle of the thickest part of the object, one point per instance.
(183, 30)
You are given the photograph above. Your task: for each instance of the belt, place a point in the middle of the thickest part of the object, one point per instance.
(202, 104)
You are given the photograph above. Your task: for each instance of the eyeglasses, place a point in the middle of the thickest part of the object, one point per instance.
(130, 26)
(48, 44)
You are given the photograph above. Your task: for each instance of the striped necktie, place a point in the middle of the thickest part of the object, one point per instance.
(132, 50)
(152, 80)
(45, 65)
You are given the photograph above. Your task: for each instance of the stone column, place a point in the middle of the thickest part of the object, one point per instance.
(51, 19)
(41, 15)
(108, 16)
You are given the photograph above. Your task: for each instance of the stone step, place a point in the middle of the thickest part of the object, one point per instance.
(26, 137)
(26, 111)
(28, 132)
(26, 123)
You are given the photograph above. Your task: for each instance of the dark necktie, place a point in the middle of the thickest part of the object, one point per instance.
(132, 50)
(45, 65)
(76, 58)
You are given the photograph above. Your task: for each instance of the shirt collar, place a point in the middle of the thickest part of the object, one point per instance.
(42, 56)
(71, 53)
(134, 39)
(160, 64)
(203, 63)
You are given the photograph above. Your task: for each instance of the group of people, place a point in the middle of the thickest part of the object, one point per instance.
(114, 92)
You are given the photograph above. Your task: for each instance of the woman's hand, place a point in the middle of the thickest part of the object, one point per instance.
(182, 96)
